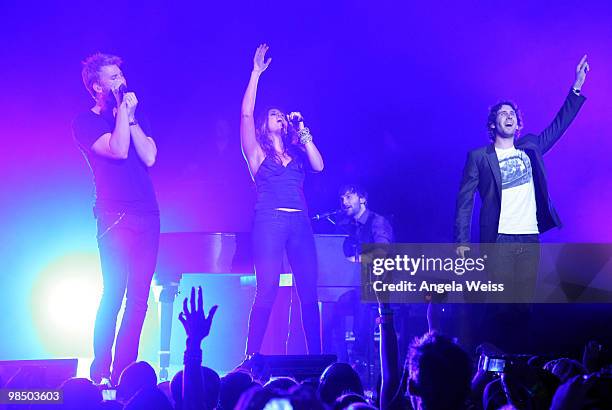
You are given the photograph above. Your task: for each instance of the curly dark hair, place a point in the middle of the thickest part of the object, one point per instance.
(353, 189)
(92, 66)
(493, 117)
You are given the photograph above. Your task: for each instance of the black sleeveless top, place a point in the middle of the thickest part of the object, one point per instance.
(281, 186)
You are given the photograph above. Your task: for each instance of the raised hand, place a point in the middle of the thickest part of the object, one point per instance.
(260, 64)
(581, 71)
(295, 117)
(196, 324)
(296, 120)
(131, 102)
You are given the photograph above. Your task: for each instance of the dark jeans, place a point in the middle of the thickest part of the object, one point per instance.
(275, 232)
(514, 261)
(128, 246)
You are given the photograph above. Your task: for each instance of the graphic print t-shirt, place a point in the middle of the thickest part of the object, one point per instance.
(518, 205)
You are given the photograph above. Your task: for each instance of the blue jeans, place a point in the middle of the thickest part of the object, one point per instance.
(128, 245)
(274, 233)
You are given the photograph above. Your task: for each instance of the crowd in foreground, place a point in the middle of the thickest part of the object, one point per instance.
(437, 374)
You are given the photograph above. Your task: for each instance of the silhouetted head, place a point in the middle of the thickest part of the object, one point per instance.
(281, 383)
(80, 394)
(211, 381)
(136, 376)
(304, 397)
(439, 373)
(338, 379)
(232, 386)
(256, 397)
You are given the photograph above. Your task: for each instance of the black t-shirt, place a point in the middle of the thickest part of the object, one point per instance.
(122, 185)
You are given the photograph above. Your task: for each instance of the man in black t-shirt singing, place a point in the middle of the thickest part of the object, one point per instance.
(119, 152)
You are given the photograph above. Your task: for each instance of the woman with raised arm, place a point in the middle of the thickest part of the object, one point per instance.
(278, 152)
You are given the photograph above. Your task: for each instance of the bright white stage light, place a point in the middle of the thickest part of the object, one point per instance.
(64, 303)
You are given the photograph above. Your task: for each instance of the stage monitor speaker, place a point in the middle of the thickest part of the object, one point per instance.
(300, 367)
(37, 374)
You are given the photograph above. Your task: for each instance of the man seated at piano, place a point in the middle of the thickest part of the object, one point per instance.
(362, 226)
(360, 223)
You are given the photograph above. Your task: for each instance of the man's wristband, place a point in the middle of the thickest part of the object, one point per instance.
(134, 122)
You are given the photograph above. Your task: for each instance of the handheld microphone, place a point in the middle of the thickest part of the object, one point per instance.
(326, 215)
(295, 118)
(121, 90)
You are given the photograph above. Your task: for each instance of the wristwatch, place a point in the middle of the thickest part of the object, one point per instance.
(134, 122)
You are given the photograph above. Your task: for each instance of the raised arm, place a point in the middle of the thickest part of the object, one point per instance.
(197, 327)
(389, 365)
(568, 111)
(144, 145)
(314, 156)
(116, 144)
(251, 150)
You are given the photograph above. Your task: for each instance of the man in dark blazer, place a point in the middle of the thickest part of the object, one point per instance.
(511, 180)
(509, 165)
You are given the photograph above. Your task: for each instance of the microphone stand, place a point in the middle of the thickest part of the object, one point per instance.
(330, 220)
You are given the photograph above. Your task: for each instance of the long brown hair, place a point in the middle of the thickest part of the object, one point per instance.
(289, 138)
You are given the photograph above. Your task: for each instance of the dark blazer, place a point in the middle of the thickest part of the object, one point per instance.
(482, 171)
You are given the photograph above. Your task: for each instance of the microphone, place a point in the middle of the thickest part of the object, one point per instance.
(326, 215)
(294, 118)
(121, 90)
